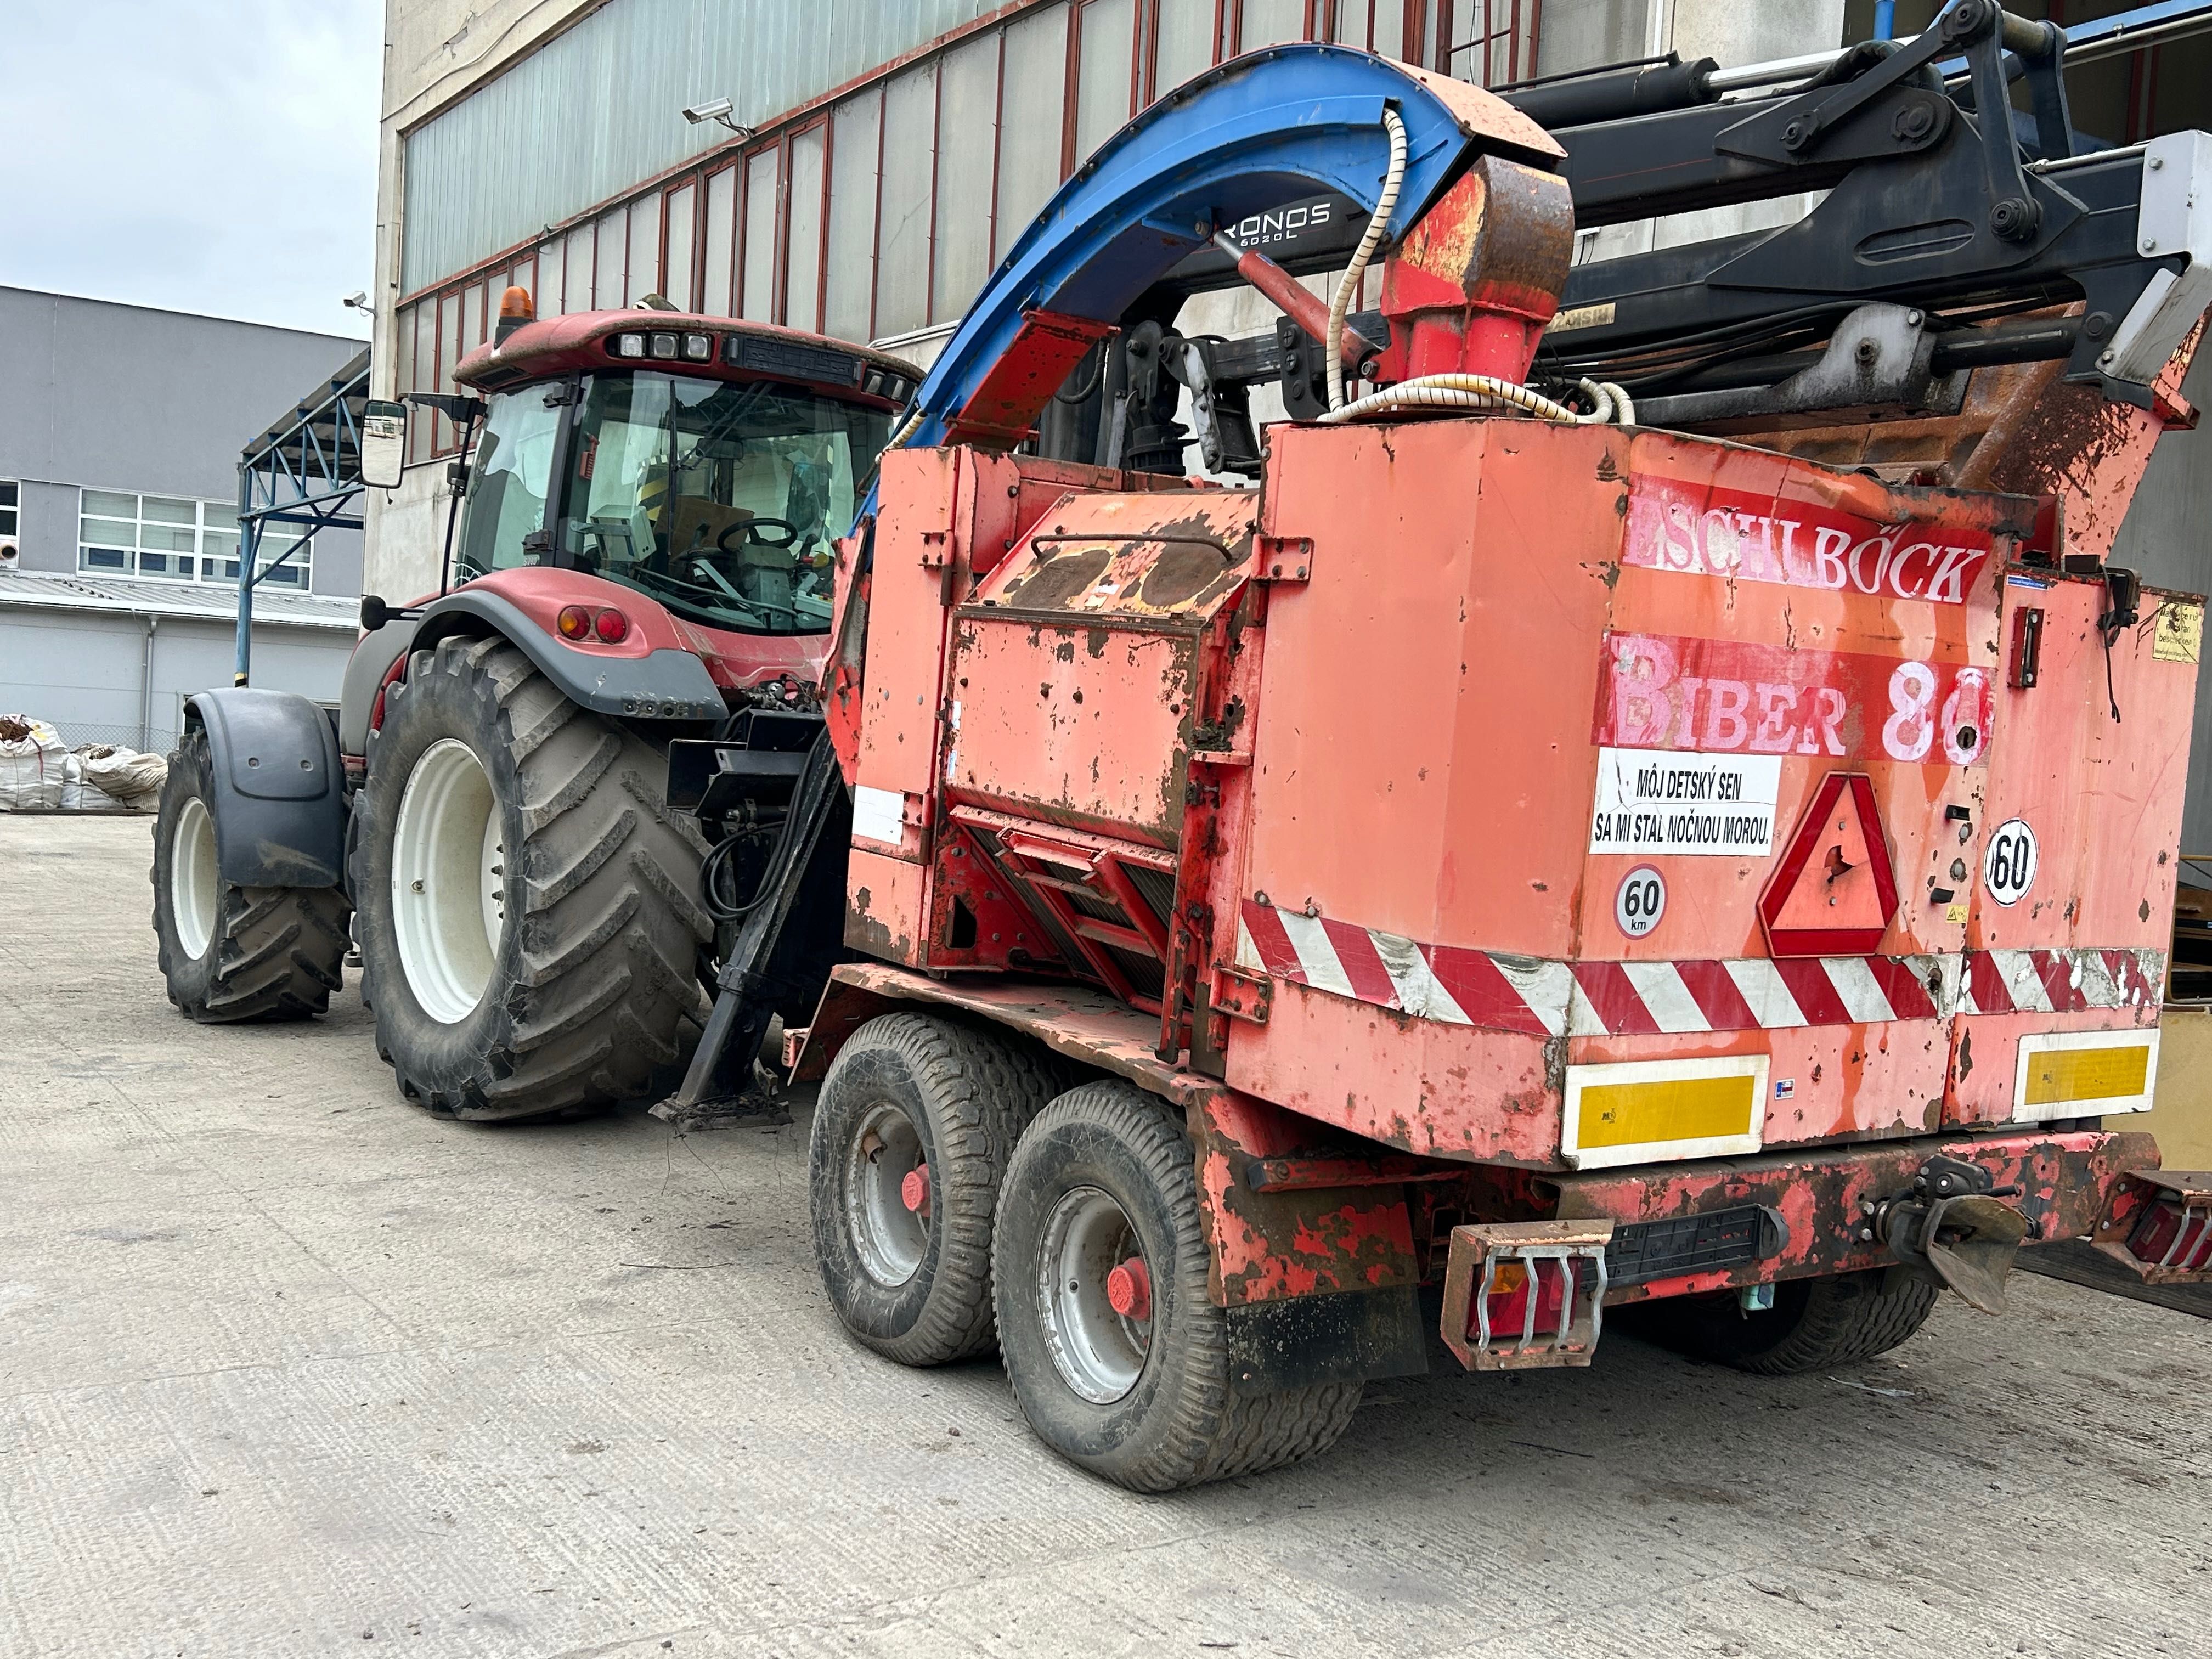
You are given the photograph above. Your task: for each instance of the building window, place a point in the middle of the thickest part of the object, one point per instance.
(11, 500)
(179, 539)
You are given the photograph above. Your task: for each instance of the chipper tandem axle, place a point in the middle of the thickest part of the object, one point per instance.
(1655, 803)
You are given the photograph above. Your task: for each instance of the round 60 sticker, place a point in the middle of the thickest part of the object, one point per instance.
(1640, 901)
(2008, 869)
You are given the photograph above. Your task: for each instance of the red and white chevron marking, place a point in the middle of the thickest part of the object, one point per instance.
(1458, 985)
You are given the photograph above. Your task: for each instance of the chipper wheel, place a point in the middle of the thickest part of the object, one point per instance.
(228, 952)
(1117, 1354)
(1814, 1324)
(529, 928)
(912, 1131)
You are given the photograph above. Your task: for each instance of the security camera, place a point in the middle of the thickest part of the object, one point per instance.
(357, 300)
(716, 109)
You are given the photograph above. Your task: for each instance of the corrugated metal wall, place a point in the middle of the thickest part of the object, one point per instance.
(600, 107)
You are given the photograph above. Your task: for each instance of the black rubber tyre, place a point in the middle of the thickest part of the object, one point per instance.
(1180, 1423)
(596, 966)
(916, 1286)
(1814, 1323)
(272, 952)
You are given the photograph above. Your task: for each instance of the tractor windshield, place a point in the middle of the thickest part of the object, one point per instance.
(718, 500)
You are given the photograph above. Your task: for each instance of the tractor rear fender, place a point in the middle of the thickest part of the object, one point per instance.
(280, 807)
(665, 683)
(367, 670)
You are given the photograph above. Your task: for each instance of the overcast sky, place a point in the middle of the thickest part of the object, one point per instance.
(208, 156)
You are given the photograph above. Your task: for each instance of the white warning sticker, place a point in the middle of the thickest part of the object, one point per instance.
(1659, 800)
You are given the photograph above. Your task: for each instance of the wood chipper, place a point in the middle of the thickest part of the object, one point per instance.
(1524, 860)
(1643, 795)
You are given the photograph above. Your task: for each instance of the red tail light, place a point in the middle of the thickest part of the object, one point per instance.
(574, 621)
(2171, 1236)
(613, 627)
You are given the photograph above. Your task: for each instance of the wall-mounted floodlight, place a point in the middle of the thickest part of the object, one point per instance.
(716, 109)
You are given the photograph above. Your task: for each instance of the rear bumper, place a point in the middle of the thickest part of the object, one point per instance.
(2068, 1183)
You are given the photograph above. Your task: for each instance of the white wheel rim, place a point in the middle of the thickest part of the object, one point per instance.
(194, 881)
(1099, 1353)
(448, 881)
(889, 1238)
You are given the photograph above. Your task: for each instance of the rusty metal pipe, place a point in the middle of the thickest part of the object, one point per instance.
(1301, 306)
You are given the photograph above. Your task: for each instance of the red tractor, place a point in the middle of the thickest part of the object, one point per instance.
(645, 557)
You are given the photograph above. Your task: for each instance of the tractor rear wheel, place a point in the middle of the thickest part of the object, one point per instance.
(530, 931)
(232, 953)
(1117, 1354)
(1814, 1324)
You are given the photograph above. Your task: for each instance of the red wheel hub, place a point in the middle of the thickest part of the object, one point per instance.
(913, 1189)
(1129, 1289)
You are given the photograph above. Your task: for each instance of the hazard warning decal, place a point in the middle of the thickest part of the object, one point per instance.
(1834, 892)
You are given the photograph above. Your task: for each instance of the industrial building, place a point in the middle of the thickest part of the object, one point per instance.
(119, 444)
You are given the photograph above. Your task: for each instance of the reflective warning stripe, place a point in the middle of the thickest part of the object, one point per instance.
(1457, 986)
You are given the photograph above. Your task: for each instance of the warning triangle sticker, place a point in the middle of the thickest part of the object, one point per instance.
(1834, 892)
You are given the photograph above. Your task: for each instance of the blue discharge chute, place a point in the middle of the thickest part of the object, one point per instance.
(1243, 138)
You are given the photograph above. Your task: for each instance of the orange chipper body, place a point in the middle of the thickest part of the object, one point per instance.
(1494, 820)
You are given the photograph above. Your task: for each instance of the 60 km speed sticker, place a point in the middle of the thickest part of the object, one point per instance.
(1640, 901)
(2008, 868)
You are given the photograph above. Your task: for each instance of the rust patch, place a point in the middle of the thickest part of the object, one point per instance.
(1059, 578)
(1182, 570)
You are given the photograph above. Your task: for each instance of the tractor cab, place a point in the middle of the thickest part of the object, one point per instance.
(708, 463)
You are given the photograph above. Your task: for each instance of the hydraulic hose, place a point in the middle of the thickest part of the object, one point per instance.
(1609, 402)
(1377, 223)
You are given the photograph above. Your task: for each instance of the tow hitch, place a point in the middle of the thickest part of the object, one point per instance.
(1953, 1227)
(1523, 1294)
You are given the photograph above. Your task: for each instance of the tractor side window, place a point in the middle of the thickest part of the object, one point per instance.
(508, 477)
(721, 500)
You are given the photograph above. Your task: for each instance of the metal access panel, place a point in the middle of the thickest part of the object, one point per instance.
(1075, 665)
(2072, 857)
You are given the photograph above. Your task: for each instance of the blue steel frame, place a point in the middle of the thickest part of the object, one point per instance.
(1245, 136)
(304, 471)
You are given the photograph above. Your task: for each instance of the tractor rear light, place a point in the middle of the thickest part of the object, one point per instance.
(611, 625)
(663, 347)
(627, 345)
(574, 621)
(698, 348)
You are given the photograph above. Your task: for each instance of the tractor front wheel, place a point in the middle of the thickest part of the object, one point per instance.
(232, 953)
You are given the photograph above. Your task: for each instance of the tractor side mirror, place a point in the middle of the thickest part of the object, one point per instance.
(375, 613)
(383, 443)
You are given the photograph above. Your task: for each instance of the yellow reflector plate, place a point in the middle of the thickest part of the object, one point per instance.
(1684, 1108)
(1637, 1111)
(2068, 1074)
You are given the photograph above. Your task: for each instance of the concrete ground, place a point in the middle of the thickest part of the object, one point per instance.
(288, 1368)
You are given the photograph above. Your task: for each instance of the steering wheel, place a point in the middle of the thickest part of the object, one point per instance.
(750, 528)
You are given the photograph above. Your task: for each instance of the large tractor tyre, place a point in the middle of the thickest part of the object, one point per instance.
(1118, 1356)
(913, 1128)
(1814, 1324)
(232, 953)
(529, 929)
